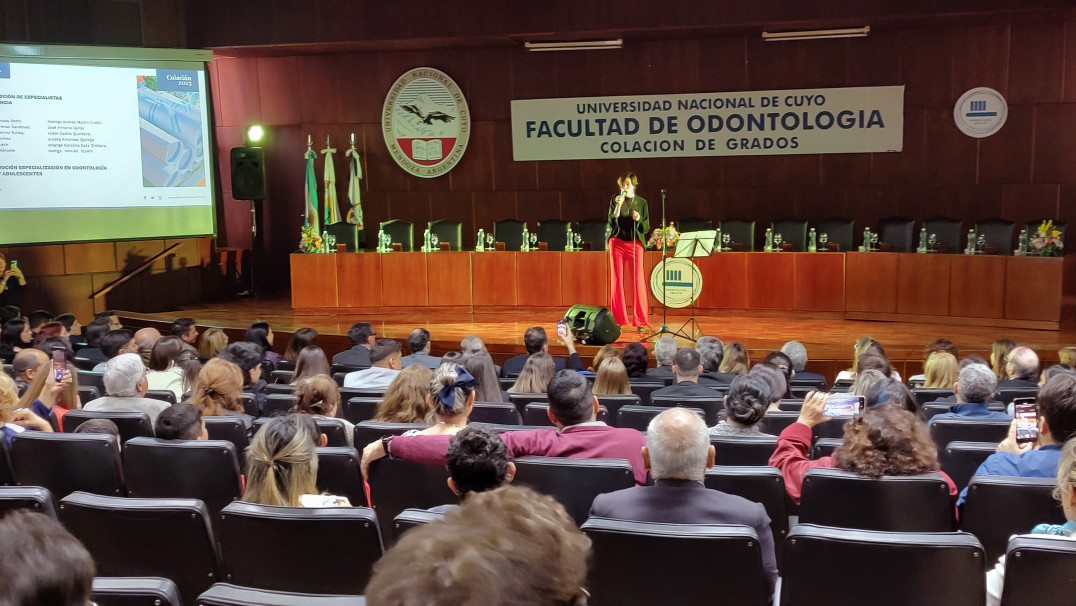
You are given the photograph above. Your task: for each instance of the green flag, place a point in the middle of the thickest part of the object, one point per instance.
(311, 193)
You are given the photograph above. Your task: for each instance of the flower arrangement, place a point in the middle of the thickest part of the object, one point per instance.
(310, 240)
(1047, 241)
(662, 239)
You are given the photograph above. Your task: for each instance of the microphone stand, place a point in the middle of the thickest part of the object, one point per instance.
(664, 328)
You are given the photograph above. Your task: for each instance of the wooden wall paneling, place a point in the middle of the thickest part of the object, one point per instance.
(413, 207)
(90, 257)
(489, 75)
(951, 155)
(456, 206)
(38, 260)
(362, 99)
(775, 66)
(492, 206)
(980, 58)
(671, 66)
(926, 65)
(909, 165)
(1019, 201)
(237, 95)
(722, 64)
(192, 252)
(875, 60)
(845, 169)
(340, 20)
(923, 284)
(977, 286)
(819, 282)
(651, 259)
(507, 173)
(1070, 62)
(770, 280)
(558, 174)
(280, 99)
(475, 169)
(1005, 157)
(724, 281)
(534, 75)
(1033, 288)
(63, 294)
(313, 280)
(538, 279)
(448, 277)
(535, 206)
(584, 278)
(128, 295)
(321, 95)
(360, 282)
(130, 255)
(971, 203)
(403, 279)
(493, 279)
(601, 176)
(1055, 130)
(382, 173)
(1037, 57)
(870, 284)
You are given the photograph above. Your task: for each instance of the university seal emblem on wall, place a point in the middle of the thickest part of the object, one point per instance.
(426, 122)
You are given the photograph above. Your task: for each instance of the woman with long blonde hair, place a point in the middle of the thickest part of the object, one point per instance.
(535, 375)
(282, 461)
(408, 398)
(941, 370)
(604, 353)
(612, 378)
(735, 361)
(217, 388)
(212, 342)
(999, 357)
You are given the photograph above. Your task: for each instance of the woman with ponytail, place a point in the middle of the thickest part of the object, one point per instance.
(745, 405)
(452, 396)
(319, 396)
(216, 390)
(282, 464)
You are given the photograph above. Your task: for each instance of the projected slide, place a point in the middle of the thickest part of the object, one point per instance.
(170, 120)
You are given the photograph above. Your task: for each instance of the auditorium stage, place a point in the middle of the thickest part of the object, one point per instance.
(828, 337)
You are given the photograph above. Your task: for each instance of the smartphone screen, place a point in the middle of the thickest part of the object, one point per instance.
(562, 328)
(1027, 420)
(59, 363)
(843, 405)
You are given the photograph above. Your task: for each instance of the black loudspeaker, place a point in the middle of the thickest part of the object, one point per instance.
(248, 173)
(592, 325)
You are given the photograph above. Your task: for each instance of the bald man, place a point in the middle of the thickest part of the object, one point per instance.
(25, 365)
(145, 339)
(1023, 367)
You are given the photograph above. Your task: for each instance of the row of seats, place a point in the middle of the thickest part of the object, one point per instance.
(158, 591)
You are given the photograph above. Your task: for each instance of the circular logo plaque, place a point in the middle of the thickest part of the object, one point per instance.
(676, 282)
(426, 122)
(980, 112)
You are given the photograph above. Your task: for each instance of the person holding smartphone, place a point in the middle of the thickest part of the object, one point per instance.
(629, 221)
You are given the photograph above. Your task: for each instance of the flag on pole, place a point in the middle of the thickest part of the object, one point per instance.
(332, 209)
(311, 193)
(354, 215)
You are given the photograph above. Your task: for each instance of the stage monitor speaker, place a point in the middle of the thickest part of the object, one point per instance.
(592, 325)
(248, 173)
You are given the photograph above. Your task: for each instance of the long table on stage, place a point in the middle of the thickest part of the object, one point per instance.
(1017, 292)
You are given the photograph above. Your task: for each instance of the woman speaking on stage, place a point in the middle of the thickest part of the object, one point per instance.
(629, 221)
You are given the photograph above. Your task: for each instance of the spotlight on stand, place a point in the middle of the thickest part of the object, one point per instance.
(254, 134)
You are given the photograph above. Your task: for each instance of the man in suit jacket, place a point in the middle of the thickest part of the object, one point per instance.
(711, 351)
(1023, 367)
(664, 352)
(362, 338)
(677, 454)
(686, 369)
(535, 340)
(798, 354)
(573, 408)
(418, 341)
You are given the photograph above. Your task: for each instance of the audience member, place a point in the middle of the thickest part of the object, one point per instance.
(1067, 355)
(15, 336)
(711, 354)
(182, 421)
(937, 346)
(999, 357)
(573, 408)
(664, 352)
(686, 370)
(46, 396)
(452, 394)
(735, 361)
(940, 371)
(311, 361)
(798, 354)
(186, 329)
(974, 389)
(605, 352)
(481, 367)
(319, 396)
(172, 367)
(94, 331)
(535, 375)
(677, 454)
(125, 386)
(105, 427)
(114, 343)
(362, 337)
(871, 361)
(865, 380)
(1049, 373)
(385, 359)
(38, 318)
(261, 335)
(14, 421)
(74, 330)
(9, 312)
(471, 343)
(48, 330)
(505, 546)
(893, 391)
(248, 357)
(535, 340)
(612, 379)
(282, 463)
(418, 341)
(408, 398)
(25, 367)
(635, 360)
(883, 441)
(43, 564)
(774, 378)
(145, 339)
(863, 346)
(217, 388)
(477, 461)
(1022, 367)
(784, 364)
(1056, 405)
(745, 404)
(110, 317)
(212, 342)
(302, 337)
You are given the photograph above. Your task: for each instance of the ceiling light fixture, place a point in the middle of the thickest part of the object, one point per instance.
(574, 46)
(817, 34)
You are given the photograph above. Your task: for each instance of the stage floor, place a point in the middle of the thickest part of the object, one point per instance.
(828, 337)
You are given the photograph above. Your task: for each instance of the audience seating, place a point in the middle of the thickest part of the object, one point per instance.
(743, 450)
(712, 407)
(359, 408)
(790, 404)
(824, 447)
(87, 394)
(369, 431)
(65, 463)
(537, 415)
(968, 430)
(774, 423)
(396, 485)
(235, 429)
(170, 538)
(9, 369)
(650, 563)
(506, 382)
(410, 518)
(960, 460)
(741, 232)
(999, 235)
(841, 386)
(793, 231)
(401, 232)
(639, 417)
(7, 476)
(510, 232)
(34, 498)
(281, 376)
(819, 384)
(838, 567)
(832, 429)
(135, 591)
(279, 404)
(1038, 571)
(644, 387)
(285, 366)
(522, 399)
(340, 376)
(593, 233)
(339, 473)
(612, 403)
(334, 429)
(276, 548)
(838, 231)
(130, 424)
(1007, 394)
(250, 404)
(998, 507)
(554, 232)
(574, 482)
(899, 233)
(224, 594)
(279, 389)
(96, 379)
(834, 497)
(500, 413)
(949, 234)
(923, 395)
(760, 484)
(346, 393)
(447, 231)
(207, 470)
(346, 368)
(163, 395)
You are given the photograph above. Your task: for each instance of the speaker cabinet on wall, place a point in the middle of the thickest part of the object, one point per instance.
(248, 173)
(592, 325)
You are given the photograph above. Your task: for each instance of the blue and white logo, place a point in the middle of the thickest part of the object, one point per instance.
(980, 112)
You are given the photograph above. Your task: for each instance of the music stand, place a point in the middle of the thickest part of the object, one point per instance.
(691, 245)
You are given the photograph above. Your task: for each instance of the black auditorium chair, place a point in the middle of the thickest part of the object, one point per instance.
(960, 460)
(774, 422)
(574, 482)
(270, 547)
(282, 376)
(64, 463)
(510, 232)
(934, 409)
(1038, 571)
(690, 224)
(7, 476)
(741, 232)
(96, 379)
(924, 395)
(370, 431)
(164, 395)
(743, 450)
(346, 368)
(359, 408)
(536, 414)
(87, 394)
(793, 231)
(824, 447)
(711, 406)
(898, 233)
(360, 392)
(882, 568)
(834, 497)
(279, 404)
(334, 429)
(1007, 394)
(819, 384)
(189, 469)
(612, 403)
(410, 518)
(832, 429)
(249, 403)
(948, 233)
(279, 388)
(999, 235)
(401, 232)
(644, 387)
(34, 498)
(448, 231)
(639, 417)
(170, 538)
(499, 413)
(790, 404)
(592, 234)
(225, 594)
(233, 428)
(396, 485)
(554, 232)
(651, 563)
(135, 591)
(520, 400)
(839, 231)
(998, 507)
(760, 484)
(339, 474)
(347, 234)
(130, 424)
(968, 430)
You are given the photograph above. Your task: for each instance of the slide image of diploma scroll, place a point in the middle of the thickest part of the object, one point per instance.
(169, 110)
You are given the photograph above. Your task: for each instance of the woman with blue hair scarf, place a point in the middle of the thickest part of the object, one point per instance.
(452, 396)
